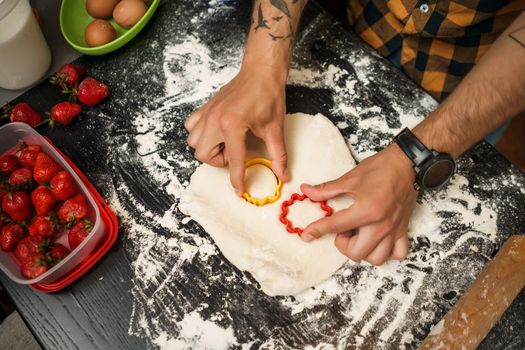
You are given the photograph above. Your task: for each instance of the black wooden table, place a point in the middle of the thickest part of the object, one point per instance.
(165, 285)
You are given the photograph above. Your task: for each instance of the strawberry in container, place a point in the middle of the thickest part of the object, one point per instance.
(53, 224)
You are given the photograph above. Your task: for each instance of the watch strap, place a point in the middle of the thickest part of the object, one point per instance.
(412, 147)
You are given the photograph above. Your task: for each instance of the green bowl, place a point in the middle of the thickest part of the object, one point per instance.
(74, 19)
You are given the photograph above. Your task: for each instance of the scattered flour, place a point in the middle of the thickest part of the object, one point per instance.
(197, 333)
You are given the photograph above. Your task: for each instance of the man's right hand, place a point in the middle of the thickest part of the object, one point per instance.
(252, 101)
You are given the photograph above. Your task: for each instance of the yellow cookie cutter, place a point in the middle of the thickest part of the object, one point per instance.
(268, 199)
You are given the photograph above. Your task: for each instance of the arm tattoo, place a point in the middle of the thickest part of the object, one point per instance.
(261, 22)
(276, 37)
(281, 5)
(519, 36)
(270, 23)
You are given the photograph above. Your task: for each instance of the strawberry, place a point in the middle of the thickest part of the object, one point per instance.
(58, 252)
(68, 75)
(21, 179)
(45, 168)
(91, 91)
(64, 112)
(79, 232)
(28, 153)
(17, 205)
(73, 209)
(45, 226)
(30, 246)
(9, 163)
(63, 186)
(23, 112)
(43, 200)
(10, 235)
(35, 265)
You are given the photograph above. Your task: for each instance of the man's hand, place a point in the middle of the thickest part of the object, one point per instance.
(253, 101)
(374, 228)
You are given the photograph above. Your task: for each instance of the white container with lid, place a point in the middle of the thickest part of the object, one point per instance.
(24, 54)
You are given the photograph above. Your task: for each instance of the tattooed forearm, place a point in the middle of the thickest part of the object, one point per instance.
(277, 18)
(519, 36)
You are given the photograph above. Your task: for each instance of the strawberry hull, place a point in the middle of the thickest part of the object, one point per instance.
(101, 237)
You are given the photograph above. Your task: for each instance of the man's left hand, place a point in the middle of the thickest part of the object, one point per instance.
(375, 227)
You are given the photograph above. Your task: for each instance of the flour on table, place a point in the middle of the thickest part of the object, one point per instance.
(184, 288)
(252, 237)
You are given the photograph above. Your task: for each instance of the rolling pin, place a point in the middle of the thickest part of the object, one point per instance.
(470, 320)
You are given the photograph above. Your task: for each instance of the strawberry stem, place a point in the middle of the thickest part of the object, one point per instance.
(22, 145)
(45, 121)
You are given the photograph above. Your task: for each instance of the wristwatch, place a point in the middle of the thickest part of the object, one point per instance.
(433, 169)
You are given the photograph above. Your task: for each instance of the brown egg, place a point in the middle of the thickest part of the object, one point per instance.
(129, 12)
(101, 8)
(99, 32)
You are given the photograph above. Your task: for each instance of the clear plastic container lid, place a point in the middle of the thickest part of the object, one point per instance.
(11, 135)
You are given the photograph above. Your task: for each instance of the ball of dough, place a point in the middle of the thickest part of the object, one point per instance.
(101, 8)
(99, 32)
(129, 12)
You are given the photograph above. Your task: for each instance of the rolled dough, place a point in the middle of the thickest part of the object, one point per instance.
(252, 238)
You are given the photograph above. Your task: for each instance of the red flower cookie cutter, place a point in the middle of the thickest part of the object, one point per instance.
(299, 197)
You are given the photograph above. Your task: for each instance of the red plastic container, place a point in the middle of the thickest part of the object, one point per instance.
(96, 244)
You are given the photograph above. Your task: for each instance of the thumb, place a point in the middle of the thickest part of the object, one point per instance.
(276, 148)
(326, 190)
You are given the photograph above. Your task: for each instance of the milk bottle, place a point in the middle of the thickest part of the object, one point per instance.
(24, 54)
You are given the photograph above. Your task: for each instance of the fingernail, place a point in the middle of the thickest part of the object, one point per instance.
(238, 193)
(306, 237)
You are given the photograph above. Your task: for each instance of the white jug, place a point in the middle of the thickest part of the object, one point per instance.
(24, 54)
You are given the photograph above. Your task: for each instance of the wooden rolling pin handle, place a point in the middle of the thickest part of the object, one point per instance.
(470, 320)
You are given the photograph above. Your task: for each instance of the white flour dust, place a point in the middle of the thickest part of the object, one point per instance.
(196, 333)
(344, 89)
(192, 74)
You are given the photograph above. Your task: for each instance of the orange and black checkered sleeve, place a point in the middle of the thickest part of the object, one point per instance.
(439, 41)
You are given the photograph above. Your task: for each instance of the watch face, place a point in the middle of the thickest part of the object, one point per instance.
(438, 173)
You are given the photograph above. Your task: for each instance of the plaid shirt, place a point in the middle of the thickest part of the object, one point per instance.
(440, 41)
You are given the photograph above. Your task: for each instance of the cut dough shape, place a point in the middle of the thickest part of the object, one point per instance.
(252, 238)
